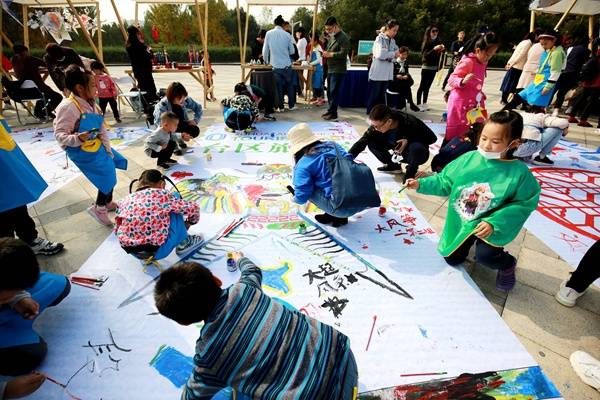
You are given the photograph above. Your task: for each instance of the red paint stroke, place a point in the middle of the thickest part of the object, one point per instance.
(371, 334)
(408, 241)
(365, 246)
(181, 174)
(558, 201)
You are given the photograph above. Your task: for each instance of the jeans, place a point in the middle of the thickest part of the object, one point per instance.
(284, 81)
(427, 77)
(325, 203)
(18, 221)
(490, 256)
(113, 105)
(376, 94)
(550, 137)
(334, 82)
(414, 154)
(350, 379)
(587, 271)
(21, 348)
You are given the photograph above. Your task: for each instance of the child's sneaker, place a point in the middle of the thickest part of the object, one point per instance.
(112, 206)
(506, 279)
(45, 247)
(189, 245)
(587, 368)
(390, 168)
(100, 213)
(573, 120)
(567, 296)
(584, 123)
(542, 161)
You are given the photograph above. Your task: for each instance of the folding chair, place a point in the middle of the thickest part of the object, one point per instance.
(132, 97)
(25, 93)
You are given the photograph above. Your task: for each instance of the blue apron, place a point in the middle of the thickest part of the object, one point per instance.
(21, 183)
(317, 77)
(94, 161)
(177, 234)
(532, 94)
(16, 331)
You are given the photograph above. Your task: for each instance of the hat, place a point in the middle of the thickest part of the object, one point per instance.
(301, 136)
(550, 34)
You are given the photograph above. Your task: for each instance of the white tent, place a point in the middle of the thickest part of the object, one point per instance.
(589, 8)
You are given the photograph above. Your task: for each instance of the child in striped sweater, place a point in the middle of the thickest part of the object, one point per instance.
(252, 343)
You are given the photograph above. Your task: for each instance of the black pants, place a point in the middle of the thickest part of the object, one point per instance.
(17, 221)
(376, 94)
(588, 269)
(490, 256)
(103, 199)
(414, 154)
(186, 127)
(427, 77)
(165, 154)
(517, 101)
(334, 83)
(401, 100)
(53, 99)
(566, 81)
(450, 71)
(113, 105)
(588, 100)
(20, 360)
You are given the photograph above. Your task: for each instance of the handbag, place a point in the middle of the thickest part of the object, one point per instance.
(353, 184)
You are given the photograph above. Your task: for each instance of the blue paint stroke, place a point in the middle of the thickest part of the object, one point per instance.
(173, 365)
(528, 382)
(273, 278)
(423, 332)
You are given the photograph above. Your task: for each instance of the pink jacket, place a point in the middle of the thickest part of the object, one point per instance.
(66, 123)
(464, 98)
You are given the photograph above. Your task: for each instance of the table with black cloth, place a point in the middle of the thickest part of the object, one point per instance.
(354, 91)
(264, 79)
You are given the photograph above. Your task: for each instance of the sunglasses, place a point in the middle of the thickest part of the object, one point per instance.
(434, 30)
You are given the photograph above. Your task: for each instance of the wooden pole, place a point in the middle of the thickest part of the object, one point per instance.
(7, 40)
(239, 23)
(99, 33)
(25, 9)
(246, 35)
(84, 31)
(314, 26)
(203, 42)
(560, 21)
(207, 72)
(591, 28)
(123, 31)
(137, 21)
(532, 21)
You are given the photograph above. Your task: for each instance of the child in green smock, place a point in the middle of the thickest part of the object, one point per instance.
(491, 195)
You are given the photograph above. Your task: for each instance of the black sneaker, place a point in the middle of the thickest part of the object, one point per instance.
(324, 218)
(269, 117)
(542, 161)
(45, 247)
(390, 168)
(166, 164)
(413, 107)
(178, 152)
(330, 117)
(337, 222)
(182, 144)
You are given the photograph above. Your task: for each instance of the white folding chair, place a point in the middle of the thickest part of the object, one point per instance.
(132, 97)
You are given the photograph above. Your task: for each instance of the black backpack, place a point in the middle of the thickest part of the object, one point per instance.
(589, 71)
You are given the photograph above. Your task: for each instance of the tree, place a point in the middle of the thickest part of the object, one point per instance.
(231, 26)
(305, 16)
(266, 16)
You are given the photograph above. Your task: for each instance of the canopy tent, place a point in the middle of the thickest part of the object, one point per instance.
(589, 8)
(202, 27)
(266, 3)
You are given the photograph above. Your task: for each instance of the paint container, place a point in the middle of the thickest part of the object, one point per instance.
(302, 228)
(382, 211)
(231, 266)
(208, 156)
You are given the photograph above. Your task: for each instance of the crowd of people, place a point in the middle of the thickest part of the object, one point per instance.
(479, 168)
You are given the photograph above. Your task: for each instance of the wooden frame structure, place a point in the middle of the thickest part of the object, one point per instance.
(202, 27)
(267, 3)
(590, 8)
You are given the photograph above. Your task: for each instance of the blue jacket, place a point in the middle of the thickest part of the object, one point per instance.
(164, 105)
(312, 171)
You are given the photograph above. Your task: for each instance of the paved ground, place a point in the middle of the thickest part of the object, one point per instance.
(549, 331)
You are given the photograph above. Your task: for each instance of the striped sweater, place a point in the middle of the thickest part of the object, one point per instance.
(266, 351)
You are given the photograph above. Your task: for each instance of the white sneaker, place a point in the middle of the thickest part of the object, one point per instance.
(567, 296)
(293, 108)
(424, 107)
(189, 245)
(587, 368)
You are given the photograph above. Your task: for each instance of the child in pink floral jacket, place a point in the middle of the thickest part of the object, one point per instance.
(150, 221)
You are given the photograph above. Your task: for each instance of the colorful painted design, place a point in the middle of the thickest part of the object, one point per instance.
(515, 384)
(219, 194)
(474, 201)
(173, 365)
(276, 279)
(271, 172)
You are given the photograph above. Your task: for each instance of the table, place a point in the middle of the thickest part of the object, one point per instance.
(305, 81)
(196, 72)
(354, 91)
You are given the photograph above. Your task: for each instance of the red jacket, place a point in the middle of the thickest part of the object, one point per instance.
(106, 87)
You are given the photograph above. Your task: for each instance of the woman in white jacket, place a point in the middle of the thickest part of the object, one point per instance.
(531, 65)
(515, 66)
(381, 72)
(541, 132)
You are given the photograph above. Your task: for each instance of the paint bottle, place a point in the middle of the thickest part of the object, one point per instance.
(382, 211)
(231, 266)
(208, 156)
(302, 228)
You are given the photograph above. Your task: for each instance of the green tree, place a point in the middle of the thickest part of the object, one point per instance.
(305, 16)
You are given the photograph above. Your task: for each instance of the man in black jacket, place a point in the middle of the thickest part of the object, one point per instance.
(58, 59)
(399, 131)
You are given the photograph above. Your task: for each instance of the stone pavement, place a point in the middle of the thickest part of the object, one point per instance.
(549, 331)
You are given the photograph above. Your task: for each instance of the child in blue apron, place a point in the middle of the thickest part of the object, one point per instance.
(80, 130)
(24, 294)
(316, 60)
(151, 223)
(538, 93)
(21, 185)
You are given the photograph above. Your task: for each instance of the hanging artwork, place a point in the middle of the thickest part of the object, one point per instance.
(59, 24)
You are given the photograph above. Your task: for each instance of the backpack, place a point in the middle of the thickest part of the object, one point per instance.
(353, 184)
(589, 71)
